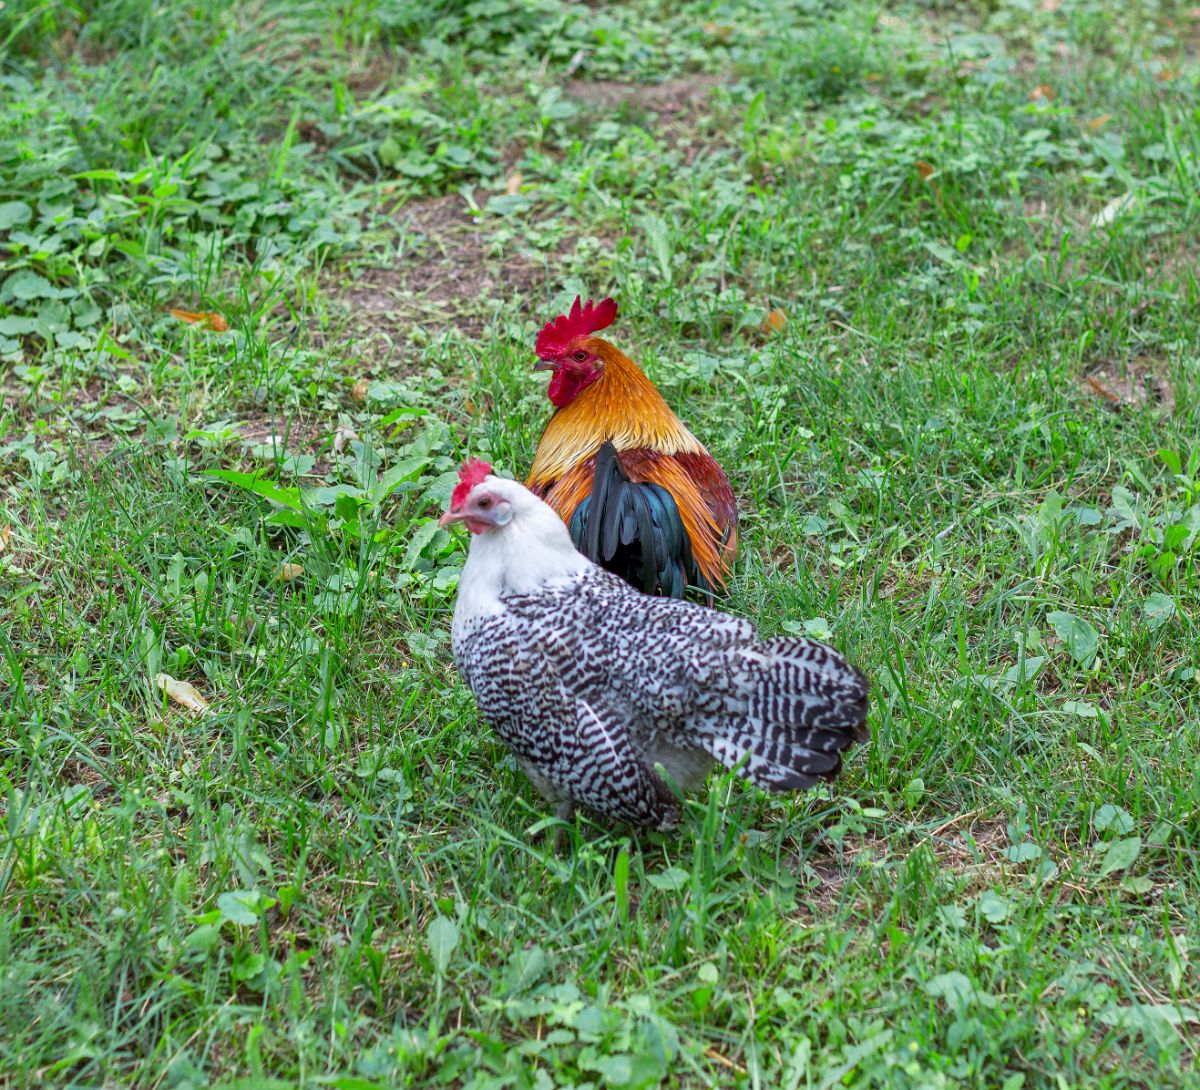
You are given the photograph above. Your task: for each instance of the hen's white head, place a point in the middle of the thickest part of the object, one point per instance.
(512, 530)
(486, 503)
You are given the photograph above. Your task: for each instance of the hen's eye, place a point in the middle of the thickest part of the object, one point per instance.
(581, 356)
(486, 501)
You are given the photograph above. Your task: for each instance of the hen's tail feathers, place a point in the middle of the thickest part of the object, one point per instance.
(634, 530)
(806, 705)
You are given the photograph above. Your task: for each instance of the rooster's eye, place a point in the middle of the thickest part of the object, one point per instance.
(581, 356)
(486, 501)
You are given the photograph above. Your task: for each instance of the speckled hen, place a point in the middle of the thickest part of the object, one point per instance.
(592, 683)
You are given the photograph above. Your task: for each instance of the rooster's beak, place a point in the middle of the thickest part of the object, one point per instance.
(545, 365)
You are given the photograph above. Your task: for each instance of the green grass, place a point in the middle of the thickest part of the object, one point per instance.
(971, 456)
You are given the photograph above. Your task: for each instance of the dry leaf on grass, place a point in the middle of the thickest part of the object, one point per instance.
(774, 322)
(358, 392)
(183, 693)
(1097, 123)
(1103, 390)
(209, 318)
(513, 186)
(928, 174)
(288, 572)
(5, 534)
(1042, 90)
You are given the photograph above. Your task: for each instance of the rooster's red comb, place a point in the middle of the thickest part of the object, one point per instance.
(472, 472)
(557, 335)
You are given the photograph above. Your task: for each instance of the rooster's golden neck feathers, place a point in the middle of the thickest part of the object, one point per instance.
(621, 405)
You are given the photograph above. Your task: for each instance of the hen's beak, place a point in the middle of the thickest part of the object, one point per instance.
(545, 365)
(451, 516)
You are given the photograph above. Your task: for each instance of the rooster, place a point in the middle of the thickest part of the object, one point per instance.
(638, 491)
(592, 684)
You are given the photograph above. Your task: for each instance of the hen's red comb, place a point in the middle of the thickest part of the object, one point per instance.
(557, 335)
(472, 472)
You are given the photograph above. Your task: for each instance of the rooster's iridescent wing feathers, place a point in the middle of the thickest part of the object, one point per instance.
(634, 530)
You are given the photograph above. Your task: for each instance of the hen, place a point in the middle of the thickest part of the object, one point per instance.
(592, 684)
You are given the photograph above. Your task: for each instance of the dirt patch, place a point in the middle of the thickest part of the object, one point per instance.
(302, 433)
(1172, 263)
(74, 45)
(452, 266)
(372, 73)
(260, 435)
(1039, 210)
(91, 413)
(670, 110)
(1047, 220)
(970, 846)
(1139, 383)
(446, 273)
(672, 97)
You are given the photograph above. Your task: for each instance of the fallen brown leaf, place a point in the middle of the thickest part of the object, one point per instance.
(513, 186)
(209, 318)
(724, 1060)
(775, 321)
(1102, 390)
(358, 392)
(183, 693)
(5, 534)
(288, 572)
(928, 172)
(1042, 90)
(1097, 123)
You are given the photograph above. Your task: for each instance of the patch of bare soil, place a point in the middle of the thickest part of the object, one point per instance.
(670, 108)
(452, 265)
(672, 97)
(1172, 262)
(298, 434)
(303, 433)
(970, 846)
(438, 283)
(1138, 383)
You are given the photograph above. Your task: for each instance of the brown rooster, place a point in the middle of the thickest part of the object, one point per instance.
(637, 490)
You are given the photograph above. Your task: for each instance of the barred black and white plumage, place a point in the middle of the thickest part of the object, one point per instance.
(592, 683)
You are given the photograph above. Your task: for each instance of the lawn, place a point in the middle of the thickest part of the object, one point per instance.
(926, 279)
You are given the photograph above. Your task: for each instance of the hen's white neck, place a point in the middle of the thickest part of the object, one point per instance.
(533, 549)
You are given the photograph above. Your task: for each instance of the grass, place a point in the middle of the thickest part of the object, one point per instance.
(969, 456)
